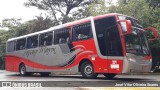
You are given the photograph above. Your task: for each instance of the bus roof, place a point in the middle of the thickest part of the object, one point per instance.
(64, 25)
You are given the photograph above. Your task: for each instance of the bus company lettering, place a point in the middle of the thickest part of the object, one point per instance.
(30, 52)
(46, 50)
(43, 50)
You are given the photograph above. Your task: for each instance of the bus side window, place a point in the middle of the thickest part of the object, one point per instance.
(82, 32)
(62, 36)
(20, 45)
(46, 39)
(32, 42)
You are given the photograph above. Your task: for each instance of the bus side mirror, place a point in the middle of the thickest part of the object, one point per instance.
(126, 26)
(153, 32)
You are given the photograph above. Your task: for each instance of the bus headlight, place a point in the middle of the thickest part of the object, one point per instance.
(150, 60)
(131, 59)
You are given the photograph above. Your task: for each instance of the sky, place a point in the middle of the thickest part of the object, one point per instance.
(16, 9)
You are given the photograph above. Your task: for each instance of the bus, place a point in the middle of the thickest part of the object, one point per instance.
(108, 44)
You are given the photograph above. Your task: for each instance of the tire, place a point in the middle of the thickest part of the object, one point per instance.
(109, 75)
(87, 70)
(22, 70)
(45, 74)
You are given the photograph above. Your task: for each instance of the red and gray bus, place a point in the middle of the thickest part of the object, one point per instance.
(108, 44)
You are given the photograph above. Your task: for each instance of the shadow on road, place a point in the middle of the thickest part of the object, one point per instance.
(72, 77)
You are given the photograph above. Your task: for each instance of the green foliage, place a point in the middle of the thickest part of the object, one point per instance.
(11, 23)
(81, 13)
(154, 3)
(38, 24)
(59, 7)
(98, 8)
(139, 9)
(156, 43)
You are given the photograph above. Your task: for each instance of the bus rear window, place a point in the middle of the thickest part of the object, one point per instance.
(11, 46)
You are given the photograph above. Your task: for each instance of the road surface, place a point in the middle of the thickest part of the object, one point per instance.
(77, 81)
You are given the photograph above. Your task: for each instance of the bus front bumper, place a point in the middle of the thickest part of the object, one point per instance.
(136, 67)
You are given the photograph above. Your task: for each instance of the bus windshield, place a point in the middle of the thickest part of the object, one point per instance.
(136, 43)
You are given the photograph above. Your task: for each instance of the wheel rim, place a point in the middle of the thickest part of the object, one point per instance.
(88, 70)
(23, 70)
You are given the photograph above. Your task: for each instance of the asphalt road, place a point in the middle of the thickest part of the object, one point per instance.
(138, 80)
(12, 76)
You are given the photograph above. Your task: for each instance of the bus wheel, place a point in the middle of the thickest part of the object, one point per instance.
(87, 70)
(109, 75)
(45, 74)
(22, 70)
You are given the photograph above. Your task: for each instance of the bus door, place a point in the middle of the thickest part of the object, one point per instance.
(114, 50)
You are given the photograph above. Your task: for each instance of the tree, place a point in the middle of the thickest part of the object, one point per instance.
(59, 7)
(99, 8)
(10, 23)
(154, 3)
(81, 13)
(38, 24)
